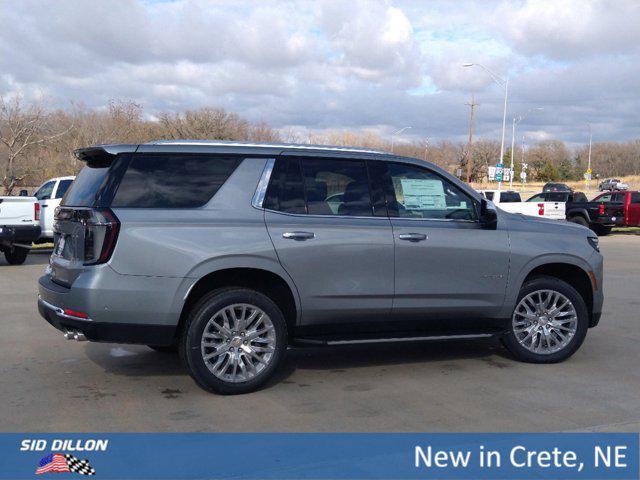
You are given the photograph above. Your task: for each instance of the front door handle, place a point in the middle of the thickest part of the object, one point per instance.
(412, 237)
(298, 235)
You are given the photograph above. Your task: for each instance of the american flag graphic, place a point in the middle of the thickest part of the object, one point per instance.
(59, 463)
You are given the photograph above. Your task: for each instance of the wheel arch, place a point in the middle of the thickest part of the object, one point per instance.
(274, 285)
(571, 272)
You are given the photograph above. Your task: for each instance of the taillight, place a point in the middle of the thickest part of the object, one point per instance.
(541, 209)
(100, 235)
(601, 209)
(36, 212)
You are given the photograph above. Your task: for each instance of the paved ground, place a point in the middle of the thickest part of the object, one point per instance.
(50, 384)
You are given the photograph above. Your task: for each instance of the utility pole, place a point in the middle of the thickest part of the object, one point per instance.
(472, 105)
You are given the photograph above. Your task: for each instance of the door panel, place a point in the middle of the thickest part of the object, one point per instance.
(344, 272)
(47, 209)
(458, 270)
(446, 264)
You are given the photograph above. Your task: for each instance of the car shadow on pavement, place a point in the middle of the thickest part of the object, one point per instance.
(137, 360)
(133, 360)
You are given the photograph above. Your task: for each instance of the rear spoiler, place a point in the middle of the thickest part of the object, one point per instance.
(102, 155)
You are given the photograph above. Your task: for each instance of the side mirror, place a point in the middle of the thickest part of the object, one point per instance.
(488, 215)
(24, 193)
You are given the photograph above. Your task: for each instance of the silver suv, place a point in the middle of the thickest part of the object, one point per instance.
(230, 252)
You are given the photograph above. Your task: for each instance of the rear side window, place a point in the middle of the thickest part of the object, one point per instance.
(172, 180)
(337, 187)
(86, 186)
(285, 192)
(579, 197)
(537, 198)
(635, 197)
(63, 186)
(556, 197)
(510, 197)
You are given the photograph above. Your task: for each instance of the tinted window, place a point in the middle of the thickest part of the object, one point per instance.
(63, 186)
(617, 197)
(285, 192)
(537, 198)
(344, 182)
(488, 195)
(604, 198)
(420, 193)
(635, 197)
(579, 197)
(172, 180)
(510, 197)
(45, 191)
(84, 189)
(556, 197)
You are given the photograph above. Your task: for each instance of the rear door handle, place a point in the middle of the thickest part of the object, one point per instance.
(298, 235)
(412, 237)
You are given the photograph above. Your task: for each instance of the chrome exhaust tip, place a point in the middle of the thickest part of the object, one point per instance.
(69, 335)
(79, 337)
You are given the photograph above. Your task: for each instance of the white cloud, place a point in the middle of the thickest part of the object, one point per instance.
(370, 65)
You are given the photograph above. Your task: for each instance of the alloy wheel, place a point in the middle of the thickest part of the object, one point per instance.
(238, 342)
(544, 322)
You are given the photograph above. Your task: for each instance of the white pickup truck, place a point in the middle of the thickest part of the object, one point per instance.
(49, 196)
(510, 201)
(19, 227)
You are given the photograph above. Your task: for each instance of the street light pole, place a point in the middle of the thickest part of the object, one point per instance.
(502, 82)
(516, 120)
(589, 161)
(397, 132)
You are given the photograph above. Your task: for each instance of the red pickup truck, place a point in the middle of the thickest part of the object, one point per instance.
(631, 203)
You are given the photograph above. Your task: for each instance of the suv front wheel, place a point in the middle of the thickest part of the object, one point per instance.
(233, 341)
(549, 322)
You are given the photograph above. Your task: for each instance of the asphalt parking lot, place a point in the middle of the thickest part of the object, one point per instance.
(50, 384)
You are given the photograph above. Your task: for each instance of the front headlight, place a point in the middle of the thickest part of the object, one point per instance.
(593, 241)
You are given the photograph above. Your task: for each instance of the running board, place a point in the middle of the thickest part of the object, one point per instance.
(323, 341)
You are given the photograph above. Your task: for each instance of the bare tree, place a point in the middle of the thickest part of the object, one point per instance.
(22, 129)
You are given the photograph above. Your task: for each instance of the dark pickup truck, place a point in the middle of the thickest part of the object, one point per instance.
(599, 216)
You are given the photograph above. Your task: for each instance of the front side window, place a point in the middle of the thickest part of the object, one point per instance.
(172, 180)
(45, 191)
(420, 193)
(604, 198)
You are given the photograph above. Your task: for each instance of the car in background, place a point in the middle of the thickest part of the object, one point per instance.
(19, 227)
(556, 187)
(578, 209)
(630, 202)
(511, 201)
(49, 195)
(612, 184)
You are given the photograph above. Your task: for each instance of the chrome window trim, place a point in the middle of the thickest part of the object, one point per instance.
(386, 217)
(261, 190)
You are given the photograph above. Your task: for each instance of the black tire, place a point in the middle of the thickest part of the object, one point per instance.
(602, 231)
(580, 221)
(164, 348)
(550, 283)
(191, 351)
(16, 255)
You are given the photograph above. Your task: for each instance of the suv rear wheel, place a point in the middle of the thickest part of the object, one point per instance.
(233, 341)
(16, 255)
(549, 322)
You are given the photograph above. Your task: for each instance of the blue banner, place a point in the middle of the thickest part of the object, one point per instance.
(319, 456)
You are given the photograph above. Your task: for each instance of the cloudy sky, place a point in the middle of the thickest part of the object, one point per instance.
(360, 65)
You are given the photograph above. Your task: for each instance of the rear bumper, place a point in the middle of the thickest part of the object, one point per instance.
(53, 299)
(10, 234)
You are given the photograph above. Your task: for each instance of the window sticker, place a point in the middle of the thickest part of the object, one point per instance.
(422, 194)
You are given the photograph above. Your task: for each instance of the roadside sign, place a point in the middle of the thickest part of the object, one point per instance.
(588, 171)
(499, 167)
(491, 174)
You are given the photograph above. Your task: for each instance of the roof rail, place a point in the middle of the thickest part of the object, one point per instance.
(293, 146)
